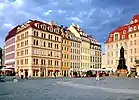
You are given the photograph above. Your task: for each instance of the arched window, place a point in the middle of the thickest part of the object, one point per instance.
(116, 37)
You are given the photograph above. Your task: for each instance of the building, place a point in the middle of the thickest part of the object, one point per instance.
(104, 61)
(75, 54)
(65, 68)
(9, 49)
(44, 48)
(126, 36)
(95, 53)
(38, 49)
(89, 46)
(116, 39)
(133, 43)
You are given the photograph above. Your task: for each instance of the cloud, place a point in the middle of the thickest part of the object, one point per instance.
(96, 17)
(47, 12)
(8, 25)
(76, 19)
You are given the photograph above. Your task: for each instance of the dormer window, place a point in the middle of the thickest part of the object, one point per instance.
(41, 26)
(37, 25)
(51, 29)
(135, 21)
(116, 37)
(130, 29)
(131, 22)
(135, 28)
(124, 31)
(44, 26)
(48, 28)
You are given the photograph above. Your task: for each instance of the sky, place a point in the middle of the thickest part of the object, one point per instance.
(96, 17)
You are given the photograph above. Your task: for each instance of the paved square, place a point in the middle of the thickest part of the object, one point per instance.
(71, 89)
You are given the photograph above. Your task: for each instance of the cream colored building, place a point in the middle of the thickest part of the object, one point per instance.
(38, 49)
(95, 54)
(104, 61)
(128, 37)
(116, 39)
(133, 43)
(75, 54)
(90, 51)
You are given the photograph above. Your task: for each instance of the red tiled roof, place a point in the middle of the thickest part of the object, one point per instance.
(119, 30)
(136, 17)
(11, 33)
(31, 24)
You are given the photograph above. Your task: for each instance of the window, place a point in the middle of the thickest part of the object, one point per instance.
(116, 53)
(49, 36)
(131, 60)
(131, 43)
(130, 50)
(116, 37)
(37, 42)
(117, 45)
(135, 50)
(36, 61)
(44, 44)
(41, 61)
(49, 45)
(134, 42)
(134, 35)
(42, 35)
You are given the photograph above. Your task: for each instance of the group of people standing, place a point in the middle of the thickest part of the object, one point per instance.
(26, 75)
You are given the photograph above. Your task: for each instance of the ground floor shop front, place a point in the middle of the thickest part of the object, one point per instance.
(39, 71)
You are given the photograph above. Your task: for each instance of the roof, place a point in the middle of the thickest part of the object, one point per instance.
(11, 33)
(122, 30)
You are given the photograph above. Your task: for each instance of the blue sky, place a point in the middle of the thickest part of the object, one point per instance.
(96, 17)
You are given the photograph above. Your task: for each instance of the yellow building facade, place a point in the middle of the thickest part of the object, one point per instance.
(65, 54)
(38, 49)
(85, 46)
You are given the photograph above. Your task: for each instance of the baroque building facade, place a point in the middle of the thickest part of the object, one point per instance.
(38, 49)
(42, 49)
(126, 36)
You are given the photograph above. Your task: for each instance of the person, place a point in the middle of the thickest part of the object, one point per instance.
(136, 75)
(26, 75)
(97, 76)
(118, 73)
(55, 75)
(22, 75)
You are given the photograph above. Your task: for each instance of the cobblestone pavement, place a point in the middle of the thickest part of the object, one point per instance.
(71, 89)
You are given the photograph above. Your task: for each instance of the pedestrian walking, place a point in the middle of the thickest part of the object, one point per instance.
(26, 75)
(136, 75)
(118, 73)
(97, 76)
(54, 74)
(22, 75)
